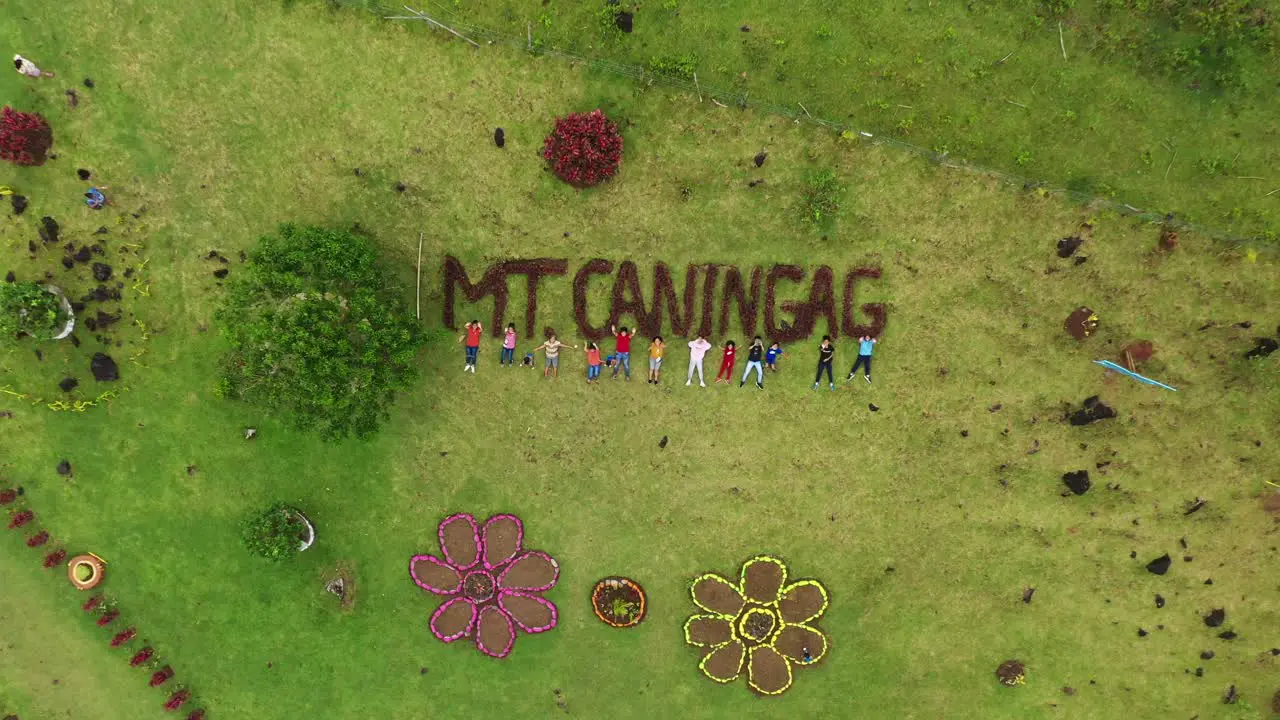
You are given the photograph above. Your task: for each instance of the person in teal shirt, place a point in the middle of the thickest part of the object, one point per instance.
(866, 344)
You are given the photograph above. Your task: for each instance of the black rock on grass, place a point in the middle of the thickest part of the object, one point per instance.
(1160, 565)
(1077, 482)
(104, 369)
(500, 137)
(68, 384)
(1092, 410)
(1216, 617)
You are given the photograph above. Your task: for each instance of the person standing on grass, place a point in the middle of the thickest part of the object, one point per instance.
(593, 363)
(552, 346)
(28, 68)
(771, 356)
(472, 335)
(509, 347)
(755, 354)
(623, 351)
(698, 348)
(657, 349)
(866, 344)
(826, 355)
(726, 363)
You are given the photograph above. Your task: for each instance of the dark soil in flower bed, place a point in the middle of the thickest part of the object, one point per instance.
(619, 602)
(478, 587)
(758, 626)
(1009, 672)
(461, 541)
(454, 620)
(529, 574)
(727, 662)
(709, 633)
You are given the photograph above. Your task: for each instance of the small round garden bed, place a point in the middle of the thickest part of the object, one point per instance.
(1011, 673)
(86, 571)
(619, 602)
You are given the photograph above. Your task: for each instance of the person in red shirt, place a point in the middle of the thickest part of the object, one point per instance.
(472, 335)
(726, 363)
(624, 350)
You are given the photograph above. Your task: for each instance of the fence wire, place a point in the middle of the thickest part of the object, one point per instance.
(442, 20)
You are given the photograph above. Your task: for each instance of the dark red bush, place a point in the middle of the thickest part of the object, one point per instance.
(196, 714)
(19, 519)
(8, 495)
(38, 539)
(123, 637)
(54, 558)
(177, 700)
(161, 676)
(585, 149)
(25, 138)
(107, 617)
(141, 656)
(92, 603)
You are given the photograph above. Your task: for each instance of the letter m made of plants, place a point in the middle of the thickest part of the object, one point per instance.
(493, 283)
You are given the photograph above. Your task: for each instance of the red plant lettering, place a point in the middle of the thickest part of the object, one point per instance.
(18, 519)
(38, 539)
(196, 715)
(798, 310)
(584, 149)
(108, 617)
(875, 310)
(161, 676)
(822, 302)
(664, 292)
(141, 656)
(748, 303)
(493, 283)
(25, 138)
(580, 313)
(534, 270)
(177, 700)
(54, 558)
(92, 603)
(628, 282)
(123, 637)
(708, 300)
(8, 495)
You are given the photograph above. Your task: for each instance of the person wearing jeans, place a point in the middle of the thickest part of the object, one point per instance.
(509, 347)
(697, 351)
(623, 351)
(593, 363)
(826, 355)
(472, 335)
(754, 356)
(866, 344)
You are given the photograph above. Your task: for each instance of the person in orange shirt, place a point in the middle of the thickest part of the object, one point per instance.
(593, 363)
(657, 349)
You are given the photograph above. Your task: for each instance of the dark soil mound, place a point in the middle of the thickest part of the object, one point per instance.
(68, 384)
(1275, 703)
(1262, 347)
(500, 137)
(1136, 353)
(1092, 410)
(48, 230)
(19, 204)
(101, 271)
(1080, 323)
(10, 277)
(64, 468)
(1077, 482)
(1011, 672)
(1067, 246)
(1160, 565)
(220, 273)
(624, 21)
(82, 174)
(104, 368)
(760, 158)
(1216, 617)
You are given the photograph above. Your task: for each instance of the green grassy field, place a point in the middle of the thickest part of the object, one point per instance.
(214, 122)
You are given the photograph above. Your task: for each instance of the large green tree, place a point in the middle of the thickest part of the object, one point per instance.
(313, 332)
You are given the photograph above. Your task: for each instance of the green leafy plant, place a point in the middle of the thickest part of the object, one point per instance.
(312, 332)
(624, 610)
(28, 308)
(275, 534)
(677, 66)
(821, 204)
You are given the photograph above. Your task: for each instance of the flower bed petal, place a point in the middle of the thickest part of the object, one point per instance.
(434, 575)
(716, 595)
(502, 538)
(763, 578)
(768, 672)
(795, 639)
(460, 540)
(495, 632)
(707, 630)
(533, 571)
(453, 620)
(531, 613)
(724, 663)
(802, 601)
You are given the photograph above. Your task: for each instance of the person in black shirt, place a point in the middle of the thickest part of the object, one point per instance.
(754, 355)
(826, 353)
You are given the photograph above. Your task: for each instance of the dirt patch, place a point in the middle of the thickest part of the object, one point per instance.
(1077, 482)
(48, 230)
(1092, 410)
(454, 620)
(527, 611)
(1168, 240)
(726, 662)
(760, 158)
(762, 581)
(1011, 672)
(435, 575)
(1271, 503)
(624, 20)
(68, 384)
(494, 631)
(101, 271)
(1275, 703)
(794, 640)
(1136, 353)
(801, 603)
(717, 595)
(458, 541)
(501, 540)
(770, 672)
(103, 368)
(1081, 323)
(619, 602)
(1262, 347)
(1067, 246)
(709, 632)
(342, 582)
(529, 571)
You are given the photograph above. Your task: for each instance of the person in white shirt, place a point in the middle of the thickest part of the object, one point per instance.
(697, 350)
(28, 68)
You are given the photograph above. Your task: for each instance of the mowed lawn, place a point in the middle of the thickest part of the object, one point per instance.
(927, 520)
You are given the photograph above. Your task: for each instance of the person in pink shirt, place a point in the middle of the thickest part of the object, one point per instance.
(509, 347)
(698, 348)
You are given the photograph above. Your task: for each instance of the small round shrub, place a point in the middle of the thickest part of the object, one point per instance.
(585, 149)
(25, 307)
(275, 534)
(25, 138)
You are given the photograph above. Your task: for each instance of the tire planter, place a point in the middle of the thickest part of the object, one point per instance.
(66, 330)
(310, 538)
(78, 565)
(619, 602)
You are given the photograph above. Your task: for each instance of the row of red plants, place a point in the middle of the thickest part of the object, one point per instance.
(103, 608)
(25, 138)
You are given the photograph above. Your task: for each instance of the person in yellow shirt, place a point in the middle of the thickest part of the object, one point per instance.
(657, 349)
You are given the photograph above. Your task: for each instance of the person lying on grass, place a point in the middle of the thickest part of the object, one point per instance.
(726, 363)
(593, 363)
(698, 348)
(866, 344)
(473, 331)
(623, 350)
(826, 355)
(552, 346)
(771, 356)
(657, 349)
(509, 346)
(755, 354)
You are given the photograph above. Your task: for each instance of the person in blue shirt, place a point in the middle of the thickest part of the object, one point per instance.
(866, 344)
(771, 356)
(94, 198)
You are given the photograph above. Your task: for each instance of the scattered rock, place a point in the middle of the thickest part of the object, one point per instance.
(624, 21)
(10, 277)
(1228, 635)
(220, 273)
(1092, 411)
(422, 671)
(760, 158)
(1231, 696)
(250, 433)
(64, 468)
(192, 470)
(1160, 565)
(68, 384)
(1142, 633)
(1168, 239)
(1026, 594)
(1199, 672)
(1262, 347)
(73, 99)
(1215, 618)
(1080, 260)
(1275, 702)
(1077, 482)
(1011, 672)
(103, 368)
(1068, 691)
(1209, 581)
(995, 408)
(88, 82)
(48, 230)
(19, 204)
(1159, 601)
(101, 271)
(745, 28)
(1195, 506)
(663, 442)
(753, 183)
(964, 433)
(1206, 655)
(82, 174)
(1243, 325)
(401, 187)
(872, 407)
(500, 137)
(84, 254)
(1067, 246)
